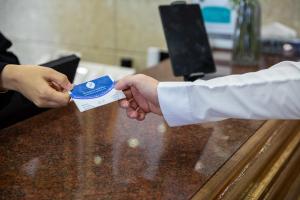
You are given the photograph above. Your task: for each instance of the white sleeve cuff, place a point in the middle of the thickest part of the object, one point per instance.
(175, 107)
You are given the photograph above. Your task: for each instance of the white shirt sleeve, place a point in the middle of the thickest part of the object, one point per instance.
(273, 93)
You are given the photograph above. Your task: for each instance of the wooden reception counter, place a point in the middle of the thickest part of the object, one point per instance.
(101, 154)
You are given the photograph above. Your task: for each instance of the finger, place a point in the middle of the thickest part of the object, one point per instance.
(46, 104)
(133, 104)
(132, 113)
(60, 89)
(141, 115)
(56, 86)
(51, 104)
(124, 103)
(61, 98)
(126, 82)
(128, 94)
(60, 79)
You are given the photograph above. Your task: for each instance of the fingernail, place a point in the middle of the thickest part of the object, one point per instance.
(125, 105)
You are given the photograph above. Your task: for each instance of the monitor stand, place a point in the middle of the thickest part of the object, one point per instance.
(194, 76)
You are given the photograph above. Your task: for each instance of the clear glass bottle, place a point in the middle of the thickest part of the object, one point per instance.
(247, 45)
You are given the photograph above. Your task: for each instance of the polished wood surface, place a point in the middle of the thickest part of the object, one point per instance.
(101, 154)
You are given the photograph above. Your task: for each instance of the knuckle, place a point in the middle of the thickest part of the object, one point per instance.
(63, 77)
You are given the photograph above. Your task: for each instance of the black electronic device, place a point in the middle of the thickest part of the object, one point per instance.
(20, 108)
(187, 40)
(66, 65)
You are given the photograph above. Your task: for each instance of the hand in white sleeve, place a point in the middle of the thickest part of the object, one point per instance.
(141, 96)
(273, 93)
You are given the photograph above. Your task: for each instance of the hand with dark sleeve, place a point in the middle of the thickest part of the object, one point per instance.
(45, 87)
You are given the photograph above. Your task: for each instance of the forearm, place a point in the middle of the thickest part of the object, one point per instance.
(267, 94)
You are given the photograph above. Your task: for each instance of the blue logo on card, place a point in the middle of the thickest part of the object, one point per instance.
(90, 85)
(93, 89)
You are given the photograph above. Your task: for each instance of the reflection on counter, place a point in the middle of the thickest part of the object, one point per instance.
(102, 154)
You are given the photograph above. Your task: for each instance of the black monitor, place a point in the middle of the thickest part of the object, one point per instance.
(66, 65)
(187, 40)
(20, 108)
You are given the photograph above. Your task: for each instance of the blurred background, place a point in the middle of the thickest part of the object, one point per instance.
(102, 31)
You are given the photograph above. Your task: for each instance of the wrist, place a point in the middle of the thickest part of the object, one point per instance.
(9, 77)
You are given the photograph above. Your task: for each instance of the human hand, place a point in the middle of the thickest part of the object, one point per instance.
(141, 96)
(44, 86)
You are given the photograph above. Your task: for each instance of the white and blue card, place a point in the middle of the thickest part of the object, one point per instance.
(95, 93)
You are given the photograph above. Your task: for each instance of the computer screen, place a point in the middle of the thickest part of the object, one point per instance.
(187, 39)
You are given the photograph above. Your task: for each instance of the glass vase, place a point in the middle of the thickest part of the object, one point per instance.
(246, 48)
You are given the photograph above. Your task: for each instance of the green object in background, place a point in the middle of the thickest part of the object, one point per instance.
(246, 48)
(214, 14)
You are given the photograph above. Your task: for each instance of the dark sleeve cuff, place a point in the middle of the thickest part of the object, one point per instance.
(4, 97)
(2, 65)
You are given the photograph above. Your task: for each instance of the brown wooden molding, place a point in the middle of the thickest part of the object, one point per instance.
(287, 184)
(251, 172)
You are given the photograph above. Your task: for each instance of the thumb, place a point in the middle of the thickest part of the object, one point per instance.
(125, 83)
(58, 78)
